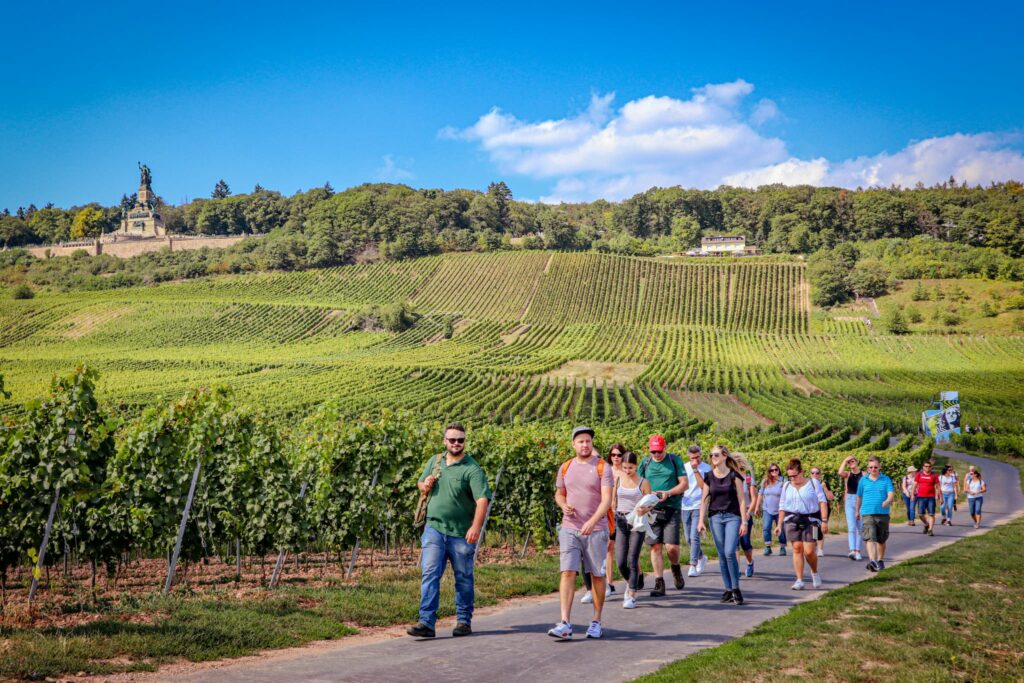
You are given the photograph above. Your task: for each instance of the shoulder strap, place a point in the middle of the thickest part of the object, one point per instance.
(565, 467)
(600, 468)
(643, 466)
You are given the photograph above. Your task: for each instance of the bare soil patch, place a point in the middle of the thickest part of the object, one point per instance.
(512, 335)
(85, 321)
(803, 384)
(726, 409)
(589, 372)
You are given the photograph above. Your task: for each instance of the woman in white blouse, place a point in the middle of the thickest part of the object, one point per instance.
(804, 513)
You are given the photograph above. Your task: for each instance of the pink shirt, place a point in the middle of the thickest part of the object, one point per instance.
(583, 491)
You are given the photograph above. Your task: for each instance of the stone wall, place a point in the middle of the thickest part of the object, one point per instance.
(129, 248)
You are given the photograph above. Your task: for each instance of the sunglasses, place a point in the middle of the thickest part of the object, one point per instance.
(872, 467)
(616, 455)
(460, 439)
(716, 455)
(815, 471)
(657, 452)
(774, 469)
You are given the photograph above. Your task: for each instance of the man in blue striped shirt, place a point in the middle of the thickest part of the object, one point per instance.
(874, 496)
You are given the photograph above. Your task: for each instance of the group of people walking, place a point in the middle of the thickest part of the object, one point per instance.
(612, 508)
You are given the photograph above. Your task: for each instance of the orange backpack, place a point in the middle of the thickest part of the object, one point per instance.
(600, 476)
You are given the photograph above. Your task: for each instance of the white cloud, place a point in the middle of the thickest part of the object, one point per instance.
(394, 170)
(764, 111)
(705, 141)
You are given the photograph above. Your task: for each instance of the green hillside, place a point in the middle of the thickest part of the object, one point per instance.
(493, 332)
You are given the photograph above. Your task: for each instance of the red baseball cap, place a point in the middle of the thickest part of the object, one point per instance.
(656, 443)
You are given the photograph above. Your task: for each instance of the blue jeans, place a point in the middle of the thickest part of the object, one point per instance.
(725, 529)
(766, 527)
(854, 527)
(691, 518)
(974, 505)
(911, 507)
(438, 550)
(947, 505)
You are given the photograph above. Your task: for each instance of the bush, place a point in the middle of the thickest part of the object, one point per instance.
(913, 315)
(22, 291)
(951, 320)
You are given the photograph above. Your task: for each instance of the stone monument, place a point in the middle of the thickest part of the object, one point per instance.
(142, 218)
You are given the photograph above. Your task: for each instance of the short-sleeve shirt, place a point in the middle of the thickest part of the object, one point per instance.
(452, 502)
(583, 491)
(974, 487)
(948, 483)
(663, 476)
(772, 494)
(693, 495)
(926, 484)
(872, 493)
(803, 500)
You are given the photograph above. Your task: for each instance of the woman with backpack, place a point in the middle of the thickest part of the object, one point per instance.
(830, 497)
(949, 486)
(804, 513)
(907, 489)
(724, 508)
(750, 489)
(629, 488)
(975, 487)
(768, 496)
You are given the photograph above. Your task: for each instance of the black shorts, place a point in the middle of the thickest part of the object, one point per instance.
(665, 526)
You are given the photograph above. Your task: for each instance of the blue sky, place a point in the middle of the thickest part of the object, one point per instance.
(562, 101)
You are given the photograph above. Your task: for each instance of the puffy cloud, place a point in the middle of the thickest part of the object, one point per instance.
(705, 141)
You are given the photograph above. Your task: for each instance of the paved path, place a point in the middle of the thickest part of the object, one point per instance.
(511, 644)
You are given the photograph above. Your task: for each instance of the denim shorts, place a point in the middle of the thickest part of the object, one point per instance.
(926, 506)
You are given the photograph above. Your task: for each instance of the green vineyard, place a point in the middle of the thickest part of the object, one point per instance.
(494, 336)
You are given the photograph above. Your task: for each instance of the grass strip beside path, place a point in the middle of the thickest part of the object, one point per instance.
(952, 615)
(159, 629)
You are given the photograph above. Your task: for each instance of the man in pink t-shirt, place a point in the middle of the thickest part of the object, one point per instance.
(583, 490)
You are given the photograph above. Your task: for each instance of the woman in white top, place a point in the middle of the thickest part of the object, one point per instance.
(830, 497)
(950, 487)
(975, 487)
(767, 498)
(804, 513)
(629, 488)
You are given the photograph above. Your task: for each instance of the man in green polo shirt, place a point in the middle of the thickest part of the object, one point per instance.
(456, 509)
(667, 476)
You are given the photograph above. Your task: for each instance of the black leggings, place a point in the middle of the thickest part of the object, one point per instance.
(628, 544)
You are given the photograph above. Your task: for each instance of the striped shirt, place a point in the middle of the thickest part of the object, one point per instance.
(872, 494)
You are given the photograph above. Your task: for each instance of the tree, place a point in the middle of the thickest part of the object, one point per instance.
(89, 222)
(868, 278)
(13, 231)
(920, 293)
(685, 231)
(501, 195)
(221, 190)
(827, 274)
(894, 322)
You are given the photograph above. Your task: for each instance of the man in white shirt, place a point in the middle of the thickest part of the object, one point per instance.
(696, 470)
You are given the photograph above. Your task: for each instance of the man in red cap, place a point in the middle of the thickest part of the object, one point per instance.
(667, 476)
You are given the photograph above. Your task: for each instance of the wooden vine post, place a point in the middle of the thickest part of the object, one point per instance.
(355, 548)
(181, 527)
(46, 532)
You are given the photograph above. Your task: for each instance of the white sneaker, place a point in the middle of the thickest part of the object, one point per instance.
(561, 630)
(816, 580)
(607, 590)
(702, 563)
(587, 598)
(629, 602)
(693, 571)
(821, 553)
(595, 630)
(798, 585)
(857, 556)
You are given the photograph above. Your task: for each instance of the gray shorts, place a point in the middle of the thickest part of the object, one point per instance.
(574, 547)
(665, 526)
(876, 528)
(809, 534)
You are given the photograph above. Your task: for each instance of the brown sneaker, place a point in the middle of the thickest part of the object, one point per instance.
(677, 576)
(659, 588)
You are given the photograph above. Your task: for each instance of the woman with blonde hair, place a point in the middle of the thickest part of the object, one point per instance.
(724, 507)
(750, 488)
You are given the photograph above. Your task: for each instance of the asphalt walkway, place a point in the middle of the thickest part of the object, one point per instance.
(511, 644)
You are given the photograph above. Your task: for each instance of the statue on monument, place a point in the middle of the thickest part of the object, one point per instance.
(146, 178)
